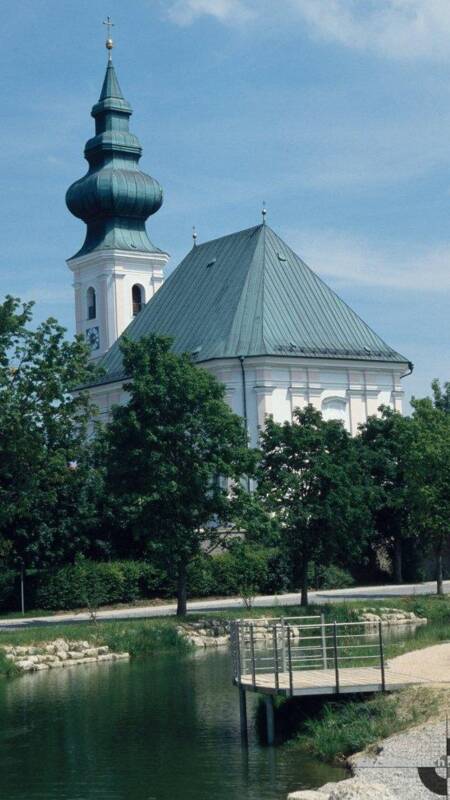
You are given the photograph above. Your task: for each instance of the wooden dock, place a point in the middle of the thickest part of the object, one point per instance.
(315, 682)
(305, 656)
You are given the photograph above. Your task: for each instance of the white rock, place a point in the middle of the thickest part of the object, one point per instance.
(74, 655)
(357, 789)
(308, 794)
(61, 645)
(103, 650)
(26, 666)
(91, 652)
(62, 655)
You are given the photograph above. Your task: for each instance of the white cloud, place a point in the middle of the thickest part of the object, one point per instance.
(352, 260)
(184, 12)
(400, 29)
(396, 28)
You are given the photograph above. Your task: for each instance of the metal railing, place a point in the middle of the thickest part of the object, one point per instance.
(284, 646)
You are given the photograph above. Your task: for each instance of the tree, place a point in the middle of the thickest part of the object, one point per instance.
(46, 481)
(310, 476)
(428, 476)
(441, 395)
(386, 440)
(172, 455)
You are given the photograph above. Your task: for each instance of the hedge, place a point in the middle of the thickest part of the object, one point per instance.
(243, 570)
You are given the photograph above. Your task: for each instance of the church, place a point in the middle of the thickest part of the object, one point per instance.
(245, 306)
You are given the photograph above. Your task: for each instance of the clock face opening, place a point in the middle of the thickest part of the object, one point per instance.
(93, 337)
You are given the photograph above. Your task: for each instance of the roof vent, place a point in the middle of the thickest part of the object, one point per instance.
(367, 350)
(281, 257)
(211, 263)
(195, 352)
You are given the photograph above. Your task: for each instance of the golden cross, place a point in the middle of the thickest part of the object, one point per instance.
(109, 42)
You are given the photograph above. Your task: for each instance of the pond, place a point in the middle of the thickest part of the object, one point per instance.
(155, 729)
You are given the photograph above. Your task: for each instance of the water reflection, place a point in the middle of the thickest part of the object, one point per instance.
(149, 730)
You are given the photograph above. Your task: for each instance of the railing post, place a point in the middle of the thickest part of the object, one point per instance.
(324, 641)
(238, 652)
(380, 638)
(275, 655)
(283, 645)
(291, 682)
(335, 648)
(252, 652)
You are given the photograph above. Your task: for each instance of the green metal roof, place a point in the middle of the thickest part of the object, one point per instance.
(249, 294)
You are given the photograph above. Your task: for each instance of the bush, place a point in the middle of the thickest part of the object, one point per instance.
(97, 583)
(330, 577)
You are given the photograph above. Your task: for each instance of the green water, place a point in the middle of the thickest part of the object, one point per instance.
(157, 729)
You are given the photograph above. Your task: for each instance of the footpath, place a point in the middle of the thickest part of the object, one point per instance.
(199, 606)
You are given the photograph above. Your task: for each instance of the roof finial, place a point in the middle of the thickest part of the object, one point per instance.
(264, 212)
(109, 42)
(194, 235)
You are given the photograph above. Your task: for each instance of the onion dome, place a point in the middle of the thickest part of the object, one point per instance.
(114, 198)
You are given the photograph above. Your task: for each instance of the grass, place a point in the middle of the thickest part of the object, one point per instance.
(145, 637)
(137, 637)
(344, 728)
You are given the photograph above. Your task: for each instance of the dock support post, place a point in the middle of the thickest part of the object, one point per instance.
(270, 719)
(243, 714)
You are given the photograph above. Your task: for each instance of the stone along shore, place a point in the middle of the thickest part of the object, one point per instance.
(59, 653)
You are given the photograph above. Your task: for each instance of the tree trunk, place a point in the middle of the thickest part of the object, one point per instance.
(398, 560)
(439, 573)
(304, 597)
(182, 591)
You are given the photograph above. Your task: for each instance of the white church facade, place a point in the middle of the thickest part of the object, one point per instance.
(244, 305)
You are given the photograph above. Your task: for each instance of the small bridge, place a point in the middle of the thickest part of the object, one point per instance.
(306, 656)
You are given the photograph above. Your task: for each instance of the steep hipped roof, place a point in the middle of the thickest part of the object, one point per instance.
(249, 294)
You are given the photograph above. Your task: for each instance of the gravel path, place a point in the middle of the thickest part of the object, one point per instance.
(395, 762)
(432, 664)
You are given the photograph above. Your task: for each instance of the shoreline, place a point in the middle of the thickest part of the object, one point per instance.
(388, 768)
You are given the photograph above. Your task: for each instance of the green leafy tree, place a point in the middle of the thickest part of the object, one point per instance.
(47, 485)
(310, 476)
(172, 454)
(441, 395)
(428, 478)
(386, 440)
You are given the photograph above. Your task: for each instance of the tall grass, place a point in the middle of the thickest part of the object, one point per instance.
(345, 728)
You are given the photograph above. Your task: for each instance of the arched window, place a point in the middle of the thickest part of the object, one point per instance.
(137, 296)
(334, 408)
(91, 303)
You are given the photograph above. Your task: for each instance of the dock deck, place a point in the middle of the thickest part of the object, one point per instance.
(305, 656)
(323, 681)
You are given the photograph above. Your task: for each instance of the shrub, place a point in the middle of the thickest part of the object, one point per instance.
(330, 577)
(97, 583)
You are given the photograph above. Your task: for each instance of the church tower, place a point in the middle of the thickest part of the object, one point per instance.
(118, 269)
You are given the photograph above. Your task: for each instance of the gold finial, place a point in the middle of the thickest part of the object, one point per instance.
(194, 235)
(264, 212)
(109, 42)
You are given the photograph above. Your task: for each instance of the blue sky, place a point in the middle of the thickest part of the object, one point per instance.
(336, 112)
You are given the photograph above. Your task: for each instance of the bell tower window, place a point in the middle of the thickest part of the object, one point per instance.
(137, 296)
(91, 303)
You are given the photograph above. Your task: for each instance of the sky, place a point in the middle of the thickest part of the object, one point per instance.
(335, 112)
